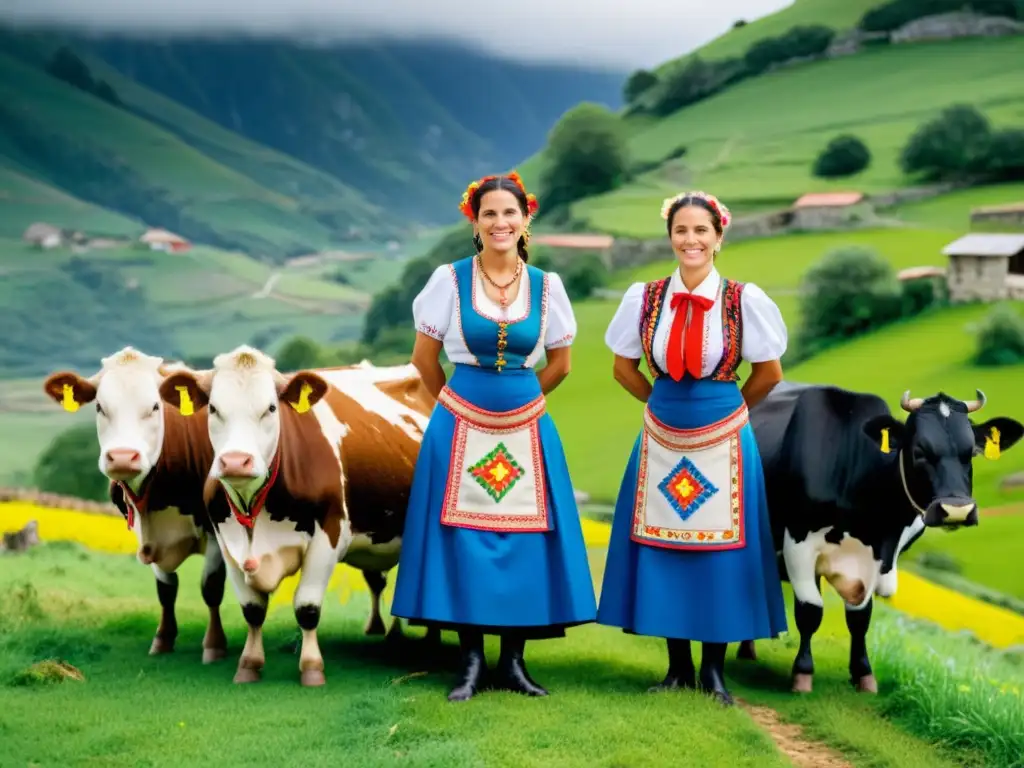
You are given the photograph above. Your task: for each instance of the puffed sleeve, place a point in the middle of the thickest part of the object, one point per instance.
(764, 332)
(623, 334)
(432, 307)
(561, 320)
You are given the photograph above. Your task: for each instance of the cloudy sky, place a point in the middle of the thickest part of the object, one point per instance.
(620, 33)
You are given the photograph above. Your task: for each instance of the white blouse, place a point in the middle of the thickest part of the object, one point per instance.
(764, 332)
(435, 312)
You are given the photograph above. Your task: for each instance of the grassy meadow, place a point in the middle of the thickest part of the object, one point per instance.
(754, 144)
(97, 612)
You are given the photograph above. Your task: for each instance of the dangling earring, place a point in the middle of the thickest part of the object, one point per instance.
(478, 243)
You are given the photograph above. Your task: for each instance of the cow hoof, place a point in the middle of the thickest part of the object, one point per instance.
(210, 655)
(312, 678)
(867, 684)
(160, 646)
(247, 675)
(803, 683)
(746, 652)
(375, 627)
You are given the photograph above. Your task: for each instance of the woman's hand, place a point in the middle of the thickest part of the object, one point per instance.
(763, 378)
(556, 369)
(627, 373)
(426, 354)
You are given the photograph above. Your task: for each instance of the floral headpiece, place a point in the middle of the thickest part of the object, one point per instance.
(720, 209)
(466, 206)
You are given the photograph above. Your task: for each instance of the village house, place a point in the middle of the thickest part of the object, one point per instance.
(43, 235)
(985, 267)
(162, 240)
(830, 210)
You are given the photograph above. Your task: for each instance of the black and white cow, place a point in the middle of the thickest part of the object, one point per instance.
(850, 487)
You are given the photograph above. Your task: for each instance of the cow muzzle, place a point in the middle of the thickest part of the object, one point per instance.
(123, 463)
(237, 465)
(951, 512)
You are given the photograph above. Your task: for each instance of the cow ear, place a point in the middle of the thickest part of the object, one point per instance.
(303, 390)
(885, 432)
(69, 390)
(996, 435)
(183, 391)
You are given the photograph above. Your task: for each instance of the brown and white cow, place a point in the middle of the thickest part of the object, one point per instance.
(157, 461)
(310, 469)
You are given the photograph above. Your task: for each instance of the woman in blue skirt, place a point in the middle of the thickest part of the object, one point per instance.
(691, 554)
(493, 542)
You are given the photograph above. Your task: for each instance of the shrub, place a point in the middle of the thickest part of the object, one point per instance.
(68, 465)
(843, 156)
(954, 144)
(848, 292)
(1000, 340)
(637, 84)
(921, 294)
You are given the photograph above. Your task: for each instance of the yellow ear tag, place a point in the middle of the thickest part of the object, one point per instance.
(885, 440)
(992, 445)
(303, 405)
(69, 402)
(185, 402)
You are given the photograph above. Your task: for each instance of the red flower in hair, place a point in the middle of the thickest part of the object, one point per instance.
(466, 205)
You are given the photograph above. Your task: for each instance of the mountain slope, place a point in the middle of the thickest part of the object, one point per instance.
(405, 123)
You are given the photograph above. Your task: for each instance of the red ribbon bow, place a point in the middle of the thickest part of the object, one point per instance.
(688, 356)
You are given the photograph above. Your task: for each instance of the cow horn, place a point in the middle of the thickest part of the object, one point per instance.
(909, 405)
(976, 405)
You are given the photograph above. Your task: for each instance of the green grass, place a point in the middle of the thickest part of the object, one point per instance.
(98, 613)
(953, 211)
(754, 144)
(984, 554)
(835, 14)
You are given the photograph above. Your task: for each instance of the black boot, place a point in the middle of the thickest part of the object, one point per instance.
(712, 672)
(680, 667)
(512, 674)
(474, 666)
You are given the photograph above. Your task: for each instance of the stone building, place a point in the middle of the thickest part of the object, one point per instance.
(830, 210)
(1011, 214)
(985, 267)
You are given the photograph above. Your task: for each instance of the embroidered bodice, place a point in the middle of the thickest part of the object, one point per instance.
(743, 324)
(454, 308)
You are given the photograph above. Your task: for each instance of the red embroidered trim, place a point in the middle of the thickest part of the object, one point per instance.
(654, 298)
(732, 333)
(248, 518)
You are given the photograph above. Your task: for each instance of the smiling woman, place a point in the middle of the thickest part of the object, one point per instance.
(492, 542)
(692, 508)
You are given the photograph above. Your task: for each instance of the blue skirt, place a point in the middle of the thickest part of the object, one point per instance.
(456, 578)
(717, 596)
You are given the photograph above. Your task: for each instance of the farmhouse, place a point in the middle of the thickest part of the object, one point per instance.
(1011, 214)
(43, 235)
(829, 210)
(162, 240)
(985, 267)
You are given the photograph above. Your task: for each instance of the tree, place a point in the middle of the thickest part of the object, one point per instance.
(851, 290)
(637, 84)
(954, 144)
(586, 155)
(297, 353)
(68, 465)
(1000, 339)
(843, 156)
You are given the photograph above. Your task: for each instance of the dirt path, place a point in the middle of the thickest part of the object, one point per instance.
(790, 739)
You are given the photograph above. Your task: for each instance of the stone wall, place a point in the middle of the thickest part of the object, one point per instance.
(57, 501)
(973, 278)
(914, 194)
(950, 26)
(1011, 217)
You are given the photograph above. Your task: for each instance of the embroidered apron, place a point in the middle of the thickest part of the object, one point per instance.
(689, 485)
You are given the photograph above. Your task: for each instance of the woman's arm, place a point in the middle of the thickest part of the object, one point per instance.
(556, 369)
(426, 356)
(627, 372)
(763, 377)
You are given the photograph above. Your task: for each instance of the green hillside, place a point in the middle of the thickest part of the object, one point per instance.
(123, 162)
(754, 144)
